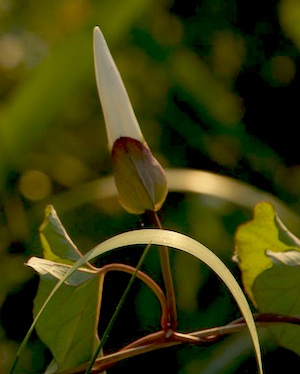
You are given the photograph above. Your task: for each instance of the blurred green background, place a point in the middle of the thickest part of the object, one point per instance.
(215, 85)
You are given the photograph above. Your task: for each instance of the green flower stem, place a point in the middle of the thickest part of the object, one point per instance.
(170, 293)
(167, 276)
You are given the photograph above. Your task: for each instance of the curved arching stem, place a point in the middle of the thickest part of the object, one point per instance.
(144, 278)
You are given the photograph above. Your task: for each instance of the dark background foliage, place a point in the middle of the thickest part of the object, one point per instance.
(215, 86)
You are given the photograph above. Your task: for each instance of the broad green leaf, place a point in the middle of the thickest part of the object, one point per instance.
(277, 290)
(177, 241)
(68, 325)
(265, 232)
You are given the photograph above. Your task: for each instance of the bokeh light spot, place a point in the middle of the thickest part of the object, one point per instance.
(283, 69)
(279, 71)
(228, 54)
(35, 185)
(11, 51)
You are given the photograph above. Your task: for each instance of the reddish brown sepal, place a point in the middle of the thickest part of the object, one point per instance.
(140, 179)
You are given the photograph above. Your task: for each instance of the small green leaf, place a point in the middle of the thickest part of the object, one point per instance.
(264, 233)
(277, 290)
(57, 245)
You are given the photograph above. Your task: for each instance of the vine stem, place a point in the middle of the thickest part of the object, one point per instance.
(144, 278)
(167, 277)
(158, 340)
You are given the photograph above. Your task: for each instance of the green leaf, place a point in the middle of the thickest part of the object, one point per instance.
(264, 233)
(56, 243)
(277, 290)
(68, 325)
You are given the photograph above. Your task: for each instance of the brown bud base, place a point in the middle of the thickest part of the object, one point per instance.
(140, 179)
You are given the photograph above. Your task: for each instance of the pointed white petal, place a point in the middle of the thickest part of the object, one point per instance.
(119, 116)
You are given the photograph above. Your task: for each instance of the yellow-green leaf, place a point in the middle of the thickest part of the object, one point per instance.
(252, 240)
